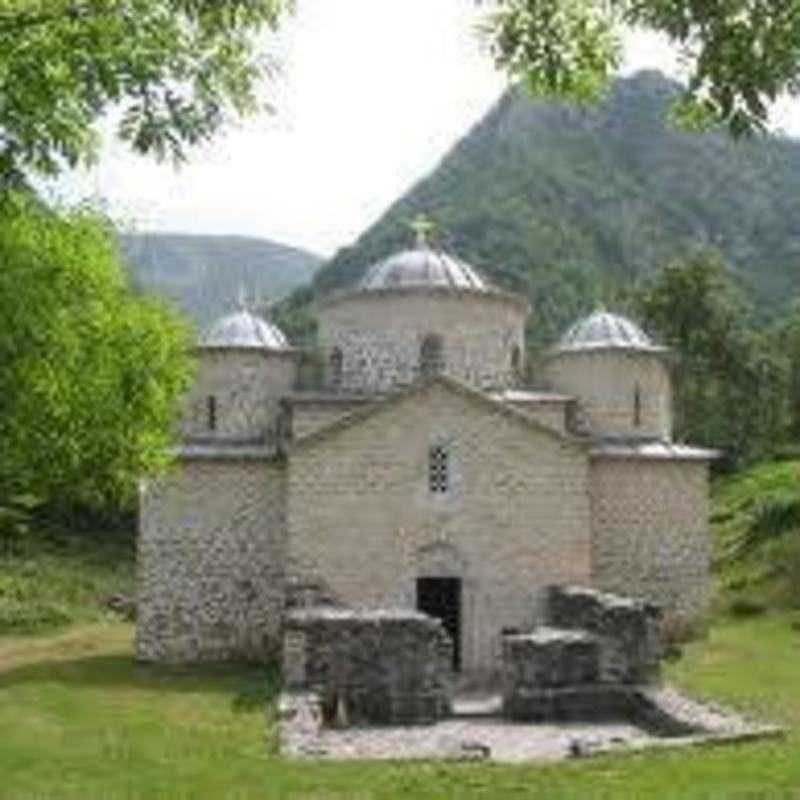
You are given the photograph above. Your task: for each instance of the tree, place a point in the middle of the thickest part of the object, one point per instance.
(177, 69)
(90, 371)
(742, 54)
(729, 384)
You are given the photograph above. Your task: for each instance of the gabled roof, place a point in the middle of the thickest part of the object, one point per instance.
(451, 384)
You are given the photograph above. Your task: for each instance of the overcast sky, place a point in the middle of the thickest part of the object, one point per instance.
(372, 94)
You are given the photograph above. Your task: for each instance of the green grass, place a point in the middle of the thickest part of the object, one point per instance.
(48, 582)
(756, 522)
(79, 718)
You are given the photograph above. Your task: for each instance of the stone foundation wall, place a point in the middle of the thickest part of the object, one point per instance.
(378, 667)
(650, 534)
(210, 562)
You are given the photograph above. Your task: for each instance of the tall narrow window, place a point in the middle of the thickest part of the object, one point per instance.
(438, 470)
(431, 360)
(516, 362)
(637, 406)
(212, 412)
(335, 364)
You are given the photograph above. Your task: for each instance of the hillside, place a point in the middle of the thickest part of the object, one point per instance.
(204, 274)
(569, 204)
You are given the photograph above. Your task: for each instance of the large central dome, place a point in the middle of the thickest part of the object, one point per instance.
(423, 266)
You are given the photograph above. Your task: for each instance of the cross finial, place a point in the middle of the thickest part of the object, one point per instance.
(422, 226)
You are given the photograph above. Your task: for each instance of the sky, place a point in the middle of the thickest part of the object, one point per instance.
(371, 94)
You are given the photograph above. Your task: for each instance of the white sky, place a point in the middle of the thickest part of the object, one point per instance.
(372, 94)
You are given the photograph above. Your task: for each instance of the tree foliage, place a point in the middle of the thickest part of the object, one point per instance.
(176, 69)
(90, 372)
(729, 384)
(741, 54)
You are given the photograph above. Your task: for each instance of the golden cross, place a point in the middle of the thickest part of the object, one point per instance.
(422, 226)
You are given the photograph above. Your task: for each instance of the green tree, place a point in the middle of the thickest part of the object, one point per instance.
(176, 69)
(90, 371)
(741, 54)
(729, 384)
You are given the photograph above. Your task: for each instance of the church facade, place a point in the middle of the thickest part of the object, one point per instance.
(423, 475)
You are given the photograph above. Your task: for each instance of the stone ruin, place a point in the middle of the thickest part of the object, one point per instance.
(588, 661)
(390, 667)
(394, 667)
(596, 660)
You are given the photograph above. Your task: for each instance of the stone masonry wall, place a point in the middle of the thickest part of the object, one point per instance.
(380, 667)
(380, 337)
(247, 384)
(628, 630)
(364, 523)
(210, 555)
(309, 416)
(605, 382)
(650, 533)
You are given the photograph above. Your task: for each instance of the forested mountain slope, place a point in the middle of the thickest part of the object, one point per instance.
(204, 274)
(569, 204)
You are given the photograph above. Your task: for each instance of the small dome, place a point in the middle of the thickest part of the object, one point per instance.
(244, 329)
(604, 330)
(423, 266)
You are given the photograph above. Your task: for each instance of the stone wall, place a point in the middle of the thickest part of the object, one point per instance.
(379, 667)
(210, 556)
(380, 335)
(586, 664)
(629, 631)
(650, 532)
(554, 414)
(364, 523)
(247, 385)
(310, 413)
(605, 381)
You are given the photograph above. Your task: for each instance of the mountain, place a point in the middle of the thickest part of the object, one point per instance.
(571, 205)
(205, 274)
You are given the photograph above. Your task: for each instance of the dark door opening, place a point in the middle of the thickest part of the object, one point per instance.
(441, 598)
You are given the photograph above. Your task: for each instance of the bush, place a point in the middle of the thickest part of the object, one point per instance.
(741, 607)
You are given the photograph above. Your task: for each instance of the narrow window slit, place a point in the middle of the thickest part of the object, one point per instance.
(212, 412)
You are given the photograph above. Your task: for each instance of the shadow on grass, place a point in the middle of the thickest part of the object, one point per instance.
(249, 686)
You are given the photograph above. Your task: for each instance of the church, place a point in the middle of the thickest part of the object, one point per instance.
(422, 474)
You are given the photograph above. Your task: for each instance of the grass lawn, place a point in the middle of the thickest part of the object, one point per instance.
(80, 719)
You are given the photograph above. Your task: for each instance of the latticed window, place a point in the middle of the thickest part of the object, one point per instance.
(438, 470)
(431, 358)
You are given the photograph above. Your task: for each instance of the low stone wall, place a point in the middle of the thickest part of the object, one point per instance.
(369, 667)
(629, 631)
(587, 668)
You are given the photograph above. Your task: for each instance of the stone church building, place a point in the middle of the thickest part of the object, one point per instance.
(424, 474)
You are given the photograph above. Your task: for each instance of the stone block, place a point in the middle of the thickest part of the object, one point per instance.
(629, 631)
(371, 667)
(549, 658)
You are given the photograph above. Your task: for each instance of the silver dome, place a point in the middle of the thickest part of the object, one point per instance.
(244, 329)
(602, 330)
(423, 266)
